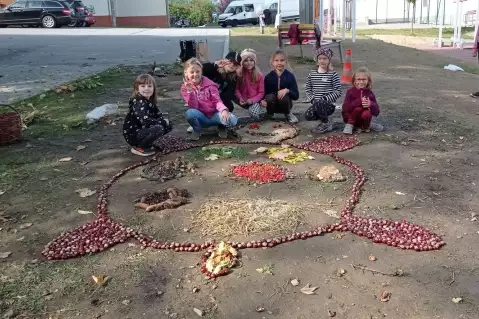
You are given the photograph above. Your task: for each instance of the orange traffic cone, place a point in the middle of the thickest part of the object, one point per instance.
(347, 75)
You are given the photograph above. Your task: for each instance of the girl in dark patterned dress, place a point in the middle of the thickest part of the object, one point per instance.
(144, 122)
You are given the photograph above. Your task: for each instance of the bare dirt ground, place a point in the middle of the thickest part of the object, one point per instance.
(422, 168)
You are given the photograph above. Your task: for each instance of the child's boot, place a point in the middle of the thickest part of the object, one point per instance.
(142, 152)
(376, 127)
(348, 129)
(292, 118)
(222, 131)
(323, 127)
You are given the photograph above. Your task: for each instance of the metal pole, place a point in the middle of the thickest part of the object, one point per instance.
(477, 23)
(441, 25)
(343, 19)
(278, 15)
(321, 15)
(328, 23)
(459, 25)
(335, 18)
(353, 18)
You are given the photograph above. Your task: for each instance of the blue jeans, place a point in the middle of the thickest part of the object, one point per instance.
(199, 120)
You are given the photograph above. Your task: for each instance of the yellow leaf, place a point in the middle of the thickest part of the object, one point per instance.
(100, 280)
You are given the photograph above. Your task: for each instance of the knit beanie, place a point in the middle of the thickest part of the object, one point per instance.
(248, 53)
(323, 51)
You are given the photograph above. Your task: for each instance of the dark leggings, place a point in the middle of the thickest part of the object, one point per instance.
(320, 110)
(146, 136)
(275, 105)
(228, 97)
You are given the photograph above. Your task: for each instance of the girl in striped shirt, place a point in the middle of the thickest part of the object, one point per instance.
(322, 88)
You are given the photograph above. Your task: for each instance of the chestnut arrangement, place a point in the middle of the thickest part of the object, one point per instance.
(103, 232)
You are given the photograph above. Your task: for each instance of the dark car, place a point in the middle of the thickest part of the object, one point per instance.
(48, 13)
(82, 17)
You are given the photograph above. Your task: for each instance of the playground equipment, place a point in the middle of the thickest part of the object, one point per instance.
(346, 9)
(457, 40)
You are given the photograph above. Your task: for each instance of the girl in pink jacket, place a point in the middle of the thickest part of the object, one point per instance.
(205, 108)
(250, 84)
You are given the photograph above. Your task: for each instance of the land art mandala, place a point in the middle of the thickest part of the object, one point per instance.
(103, 232)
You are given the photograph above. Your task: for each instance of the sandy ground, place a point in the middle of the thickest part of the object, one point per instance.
(422, 168)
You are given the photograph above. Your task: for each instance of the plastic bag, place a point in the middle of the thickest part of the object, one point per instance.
(452, 67)
(101, 111)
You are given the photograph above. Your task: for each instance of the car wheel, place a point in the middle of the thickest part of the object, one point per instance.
(234, 23)
(223, 25)
(73, 23)
(49, 22)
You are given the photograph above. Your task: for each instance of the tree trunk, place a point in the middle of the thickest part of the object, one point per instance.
(413, 17)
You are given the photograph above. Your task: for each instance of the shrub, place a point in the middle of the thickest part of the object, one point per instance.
(198, 12)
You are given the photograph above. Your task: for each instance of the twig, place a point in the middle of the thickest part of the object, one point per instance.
(453, 278)
(397, 272)
(280, 290)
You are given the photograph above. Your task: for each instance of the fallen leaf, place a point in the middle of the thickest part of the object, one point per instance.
(84, 212)
(372, 258)
(65, 159)
(340, 272)
(42, 96)
(83, 163)
(5, 255)
(81, 147)
(212, 157)
(21, 238)
(310, 157)
(399, 193)
(260, 150)
(2, 192)
(295, 282)
(331, 313)
(308, 290)
(260, 309)
(385, 296)
(89, 140)
(126, 302)
(457, 300)
(100, 280)
(332, 213)
(266, 269)
(85, 192)
(198, 312)
(26, 225)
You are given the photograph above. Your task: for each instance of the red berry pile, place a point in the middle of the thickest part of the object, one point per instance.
(103, 232)
(261, 173)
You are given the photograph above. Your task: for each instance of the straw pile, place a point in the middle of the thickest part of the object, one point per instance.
(244, 217)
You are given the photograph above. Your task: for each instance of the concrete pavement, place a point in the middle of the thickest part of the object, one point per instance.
(34, 60)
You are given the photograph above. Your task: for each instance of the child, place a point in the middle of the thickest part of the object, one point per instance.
(360, 104)
(205, 106)
(250, 84)
(144, 123)
(281, 88)
(322, 88)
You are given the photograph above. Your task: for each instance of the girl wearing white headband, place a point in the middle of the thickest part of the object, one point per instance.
(250, 84)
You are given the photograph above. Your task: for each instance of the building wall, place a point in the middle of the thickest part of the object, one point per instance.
(129, 13)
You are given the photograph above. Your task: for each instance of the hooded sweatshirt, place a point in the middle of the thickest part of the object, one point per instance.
(353, 100)
(249, 89)
(205, 97)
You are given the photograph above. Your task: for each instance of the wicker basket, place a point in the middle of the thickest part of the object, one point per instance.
(10, 126)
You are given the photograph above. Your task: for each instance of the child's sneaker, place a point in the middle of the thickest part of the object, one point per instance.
(376, 127)
(323, 128)
(292, 118)
(476, 94)
(348, 129)
(190, 129)
(142, 152)
(195, 136)
(222, 132)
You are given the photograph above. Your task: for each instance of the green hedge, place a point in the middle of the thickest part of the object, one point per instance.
(198, 12)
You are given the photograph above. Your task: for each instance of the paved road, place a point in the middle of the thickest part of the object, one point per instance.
(34, 60)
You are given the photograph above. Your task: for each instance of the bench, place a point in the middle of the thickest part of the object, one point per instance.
(307, 36)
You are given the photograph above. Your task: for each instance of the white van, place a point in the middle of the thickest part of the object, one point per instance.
(240, 12)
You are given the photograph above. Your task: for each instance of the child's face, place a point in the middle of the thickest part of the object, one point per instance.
(231, 67)
(193, 74)
(146, 90)
(323, 62)
(248, 64)
(361, 80)
(279, 61)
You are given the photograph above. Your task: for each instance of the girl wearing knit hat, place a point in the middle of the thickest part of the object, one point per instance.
(322, 89)
(250, 84)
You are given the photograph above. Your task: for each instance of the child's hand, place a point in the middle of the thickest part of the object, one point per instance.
(282, 93)
(225, 115)
(242, 102)
(264, 103)
(366, 102)
(249, 102)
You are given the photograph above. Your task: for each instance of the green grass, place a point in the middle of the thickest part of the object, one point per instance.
(199, 154)
(467, 32)
(58, 112)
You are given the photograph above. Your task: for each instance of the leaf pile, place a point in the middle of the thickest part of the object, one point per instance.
(212, 153)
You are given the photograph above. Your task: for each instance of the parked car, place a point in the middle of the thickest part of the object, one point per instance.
(47, 13)
(82, 17)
